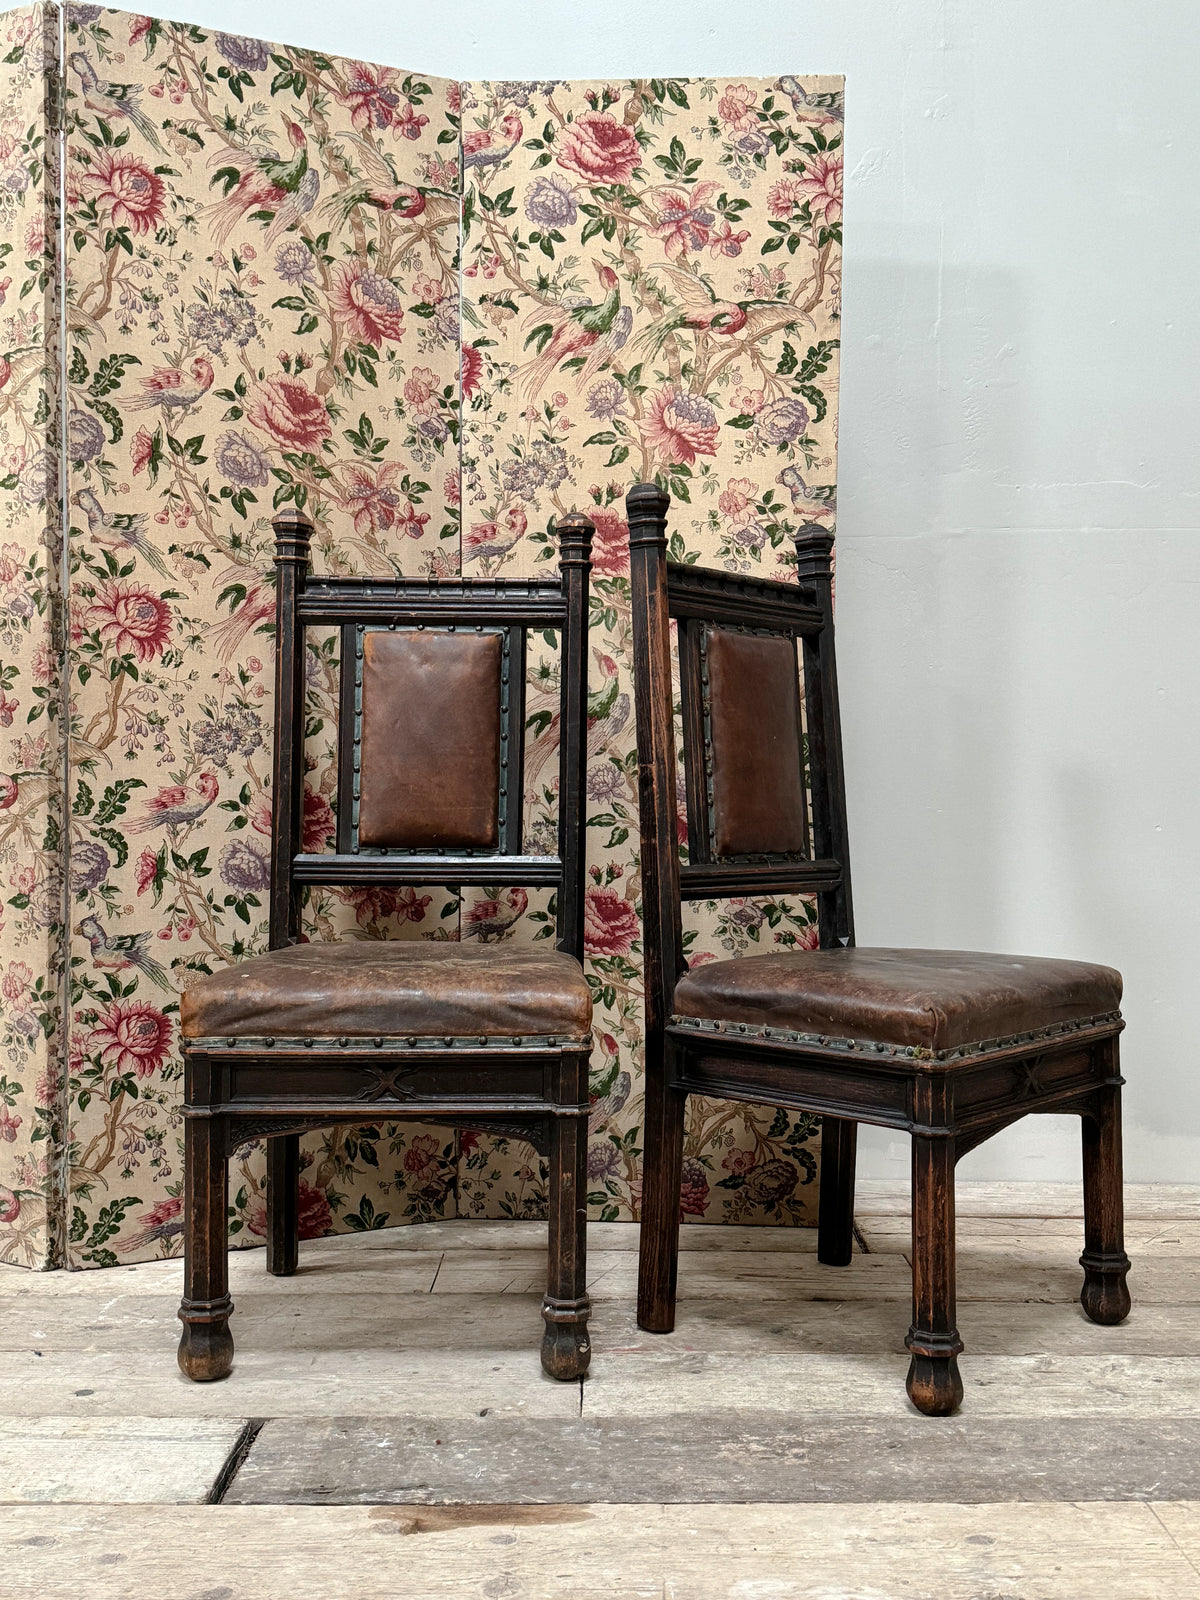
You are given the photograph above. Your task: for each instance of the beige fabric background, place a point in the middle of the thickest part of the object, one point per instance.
(266, 306)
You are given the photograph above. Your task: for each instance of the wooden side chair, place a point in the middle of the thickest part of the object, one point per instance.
(430, 785)
(949, 1046)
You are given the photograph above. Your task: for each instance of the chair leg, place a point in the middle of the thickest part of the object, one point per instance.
(283, 1204)
(206, 1346)
(835, 1220)
(662, 1177)
(566, 1348)
(934, 1385)
(1105, 1297)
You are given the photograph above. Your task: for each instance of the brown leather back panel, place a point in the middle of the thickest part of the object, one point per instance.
(758, 785)
(430, 740)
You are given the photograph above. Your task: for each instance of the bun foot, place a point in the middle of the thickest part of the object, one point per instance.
(566, 1347)
(1105, 1296)
(934, 1385)
(206, 1344)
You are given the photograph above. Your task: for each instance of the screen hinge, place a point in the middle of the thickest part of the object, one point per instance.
(56, 99)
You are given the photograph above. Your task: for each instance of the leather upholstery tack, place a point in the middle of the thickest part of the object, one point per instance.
(938, 999)
(388, 987)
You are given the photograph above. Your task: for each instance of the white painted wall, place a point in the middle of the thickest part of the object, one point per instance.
(1019, 562)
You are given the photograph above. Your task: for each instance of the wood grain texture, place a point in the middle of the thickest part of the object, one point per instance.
(131, 1325)
(626, 1552)
(119, 1460)
(269, 1382)
(745, 1456)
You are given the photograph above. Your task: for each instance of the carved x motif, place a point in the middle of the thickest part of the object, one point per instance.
(1032, 1072)
(388, 1083)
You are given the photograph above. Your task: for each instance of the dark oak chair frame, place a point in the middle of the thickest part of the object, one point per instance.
(947, 1113)
(536, 1089)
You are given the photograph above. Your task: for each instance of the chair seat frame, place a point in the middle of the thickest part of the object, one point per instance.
(948, 1102)
(533, 1087)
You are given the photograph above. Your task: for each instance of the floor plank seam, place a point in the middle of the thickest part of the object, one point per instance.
(862, 1243)
(232, 1464)
(1170, 1535)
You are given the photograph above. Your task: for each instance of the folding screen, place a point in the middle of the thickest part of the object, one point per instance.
(31, 632)
(263, 294)
(651, 277)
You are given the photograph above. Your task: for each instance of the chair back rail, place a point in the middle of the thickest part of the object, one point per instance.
(780, 616)
(362, 607)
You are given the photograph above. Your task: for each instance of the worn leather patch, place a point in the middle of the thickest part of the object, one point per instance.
(430, 774)
(758, 784)
(939, 999)
(387, 987)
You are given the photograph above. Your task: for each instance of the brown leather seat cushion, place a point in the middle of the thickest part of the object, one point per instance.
(937, 999)
(389, 987)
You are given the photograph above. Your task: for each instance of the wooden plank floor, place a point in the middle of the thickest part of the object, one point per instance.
(766, 1449)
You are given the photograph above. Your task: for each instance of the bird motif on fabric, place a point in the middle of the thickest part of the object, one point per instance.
(488, 147)
(120, 101)
(490, 920)
(380, 187)
(174, 388)
(260, 179)
(118, 528)
(485, 540)
(177, 806)
(702, 312)
(257, 607)
(115, 952)
(813, 107)
(816, 502)
(605, 1107)
(18, 368)
(608, 712)
(598, 331)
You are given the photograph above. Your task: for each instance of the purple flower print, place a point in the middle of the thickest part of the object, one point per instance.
(773, 1181)
(445, 320)
(232, 318)
(239, 460)
(244, 866)
(294, 262)
(782, 422)
(247, 55)
(603, 1159)
(606, 399)
(605, 782)
(85, 437)
(550, 204)
(544, 466)
(89, 866)
(39, 476)
(239, 734)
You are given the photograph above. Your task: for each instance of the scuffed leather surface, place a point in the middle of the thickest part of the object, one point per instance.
(430, 740)
(390, 987)
(938, 999)
(758, 792)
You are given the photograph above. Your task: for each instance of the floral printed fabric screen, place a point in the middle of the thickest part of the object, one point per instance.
(31, 754)
(262, 302)
(268, 252)
(652, 277)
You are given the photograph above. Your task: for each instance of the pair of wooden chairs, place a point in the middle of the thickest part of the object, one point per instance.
(948, 1046)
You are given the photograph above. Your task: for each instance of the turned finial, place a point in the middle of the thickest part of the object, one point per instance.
(646, 508)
